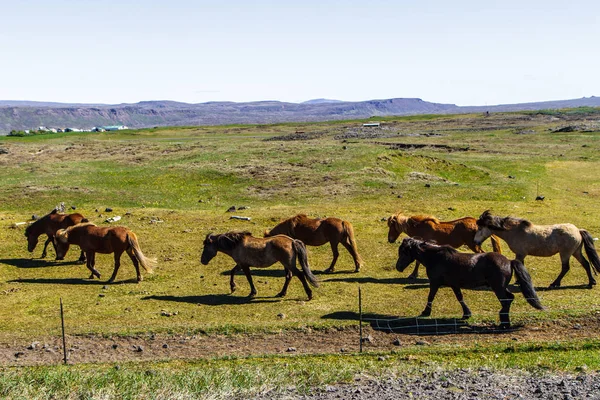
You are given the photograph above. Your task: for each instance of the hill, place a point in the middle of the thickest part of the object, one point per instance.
(21, 115)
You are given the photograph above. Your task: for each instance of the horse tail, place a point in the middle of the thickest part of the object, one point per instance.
(144, 261)
(590, 250)
(496, 244)
(348, 236)
(526, 285)
(301, 256)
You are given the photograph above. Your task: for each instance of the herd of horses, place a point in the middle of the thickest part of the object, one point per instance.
(429, 242)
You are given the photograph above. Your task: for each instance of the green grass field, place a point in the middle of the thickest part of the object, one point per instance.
(186, 178)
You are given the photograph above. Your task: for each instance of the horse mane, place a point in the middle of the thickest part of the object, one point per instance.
(80, 225)
(229, 240)
(501, 224)
(415, 219)
(39, 221)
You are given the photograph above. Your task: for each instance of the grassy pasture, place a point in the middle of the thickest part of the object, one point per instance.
(187, 177)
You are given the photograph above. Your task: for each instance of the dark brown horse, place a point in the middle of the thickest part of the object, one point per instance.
(48, 225)
(525, 238)
(248, 251)
(446, 266)
(94, 239)
(317, 232)
(452, 233)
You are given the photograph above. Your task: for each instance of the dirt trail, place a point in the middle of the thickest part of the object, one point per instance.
(94, 348)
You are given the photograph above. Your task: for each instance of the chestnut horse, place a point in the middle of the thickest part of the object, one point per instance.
(48, 225)
(446, 266)
(317, 232)
(249, 251)
(94, 239)
(525, 238)
(452, 233)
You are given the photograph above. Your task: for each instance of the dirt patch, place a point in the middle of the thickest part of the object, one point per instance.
(94, 348)
(414, 146)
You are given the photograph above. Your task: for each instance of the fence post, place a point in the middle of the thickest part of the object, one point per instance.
(62, 322)
(360, 318)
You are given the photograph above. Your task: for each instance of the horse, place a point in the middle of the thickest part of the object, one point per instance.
(453, 233)
(48, 225)
(525, 238)
(94, 239)
(249, 251)
(446, 266)
(317, 232)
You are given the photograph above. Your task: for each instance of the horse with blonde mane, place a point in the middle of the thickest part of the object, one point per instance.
(454, 233)
(317, 232)
(525, 238)
(94, 239)
(48, 225)
(249, 251)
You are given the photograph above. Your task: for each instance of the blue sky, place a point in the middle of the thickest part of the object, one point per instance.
(462, 52)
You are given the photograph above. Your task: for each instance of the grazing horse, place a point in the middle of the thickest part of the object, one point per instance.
(525, 238)
(452, 233)
(248, 251)
(446, 266)
(94, 239)
(317, 232)
(48, 225)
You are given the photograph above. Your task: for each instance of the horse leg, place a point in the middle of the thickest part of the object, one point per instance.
(459, 297)
(586, 265)
(565, 268)
(44, 253)
(135, 262)
(231, 282)
(506, 298)
(118, 264)
(81, 257)
(288, 278)
(415, 274)
(433, 288)
(302, 278)
(249, 277)
(354, 255)
(336, 253)
(91, 262)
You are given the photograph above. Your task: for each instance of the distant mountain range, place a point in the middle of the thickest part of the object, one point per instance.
(20, 115)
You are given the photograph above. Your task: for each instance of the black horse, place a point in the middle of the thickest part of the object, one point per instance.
(446, 266)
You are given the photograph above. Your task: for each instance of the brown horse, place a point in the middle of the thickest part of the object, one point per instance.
(317, 232)
(48, 225)
(248, 251)
(94, 239)
(525, 238)
(452, 233)
(446, 266)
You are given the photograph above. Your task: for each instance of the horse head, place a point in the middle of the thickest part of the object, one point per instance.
(485, 224)
(210, 248)
(61, 243)
(397, 225)
(407, 252)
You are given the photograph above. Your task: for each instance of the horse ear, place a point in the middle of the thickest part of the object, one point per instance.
(54, 211)
(84, 220)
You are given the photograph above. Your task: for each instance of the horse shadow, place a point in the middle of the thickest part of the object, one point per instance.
(213, 299)
(70, 281)
(419, 326)
(36, 262)
(570, 287)
(385, 281)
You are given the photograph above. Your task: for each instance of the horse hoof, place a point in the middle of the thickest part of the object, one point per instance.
(328, 271)
(465, 317)
(280, 295)
(504, 325)
(357, 270)
(425, 314)
(59, 259)
(412, 277)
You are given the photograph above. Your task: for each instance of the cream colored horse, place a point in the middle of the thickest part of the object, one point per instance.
(525, 238)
